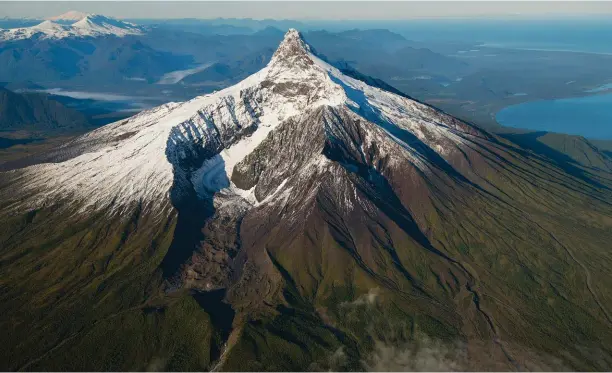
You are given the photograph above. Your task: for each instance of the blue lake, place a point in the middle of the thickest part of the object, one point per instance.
(587, 116)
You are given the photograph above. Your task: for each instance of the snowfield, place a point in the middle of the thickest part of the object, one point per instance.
(139, 159)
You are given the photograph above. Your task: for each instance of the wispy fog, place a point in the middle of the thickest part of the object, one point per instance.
(176, 76)
(98, 96)
(427, 355)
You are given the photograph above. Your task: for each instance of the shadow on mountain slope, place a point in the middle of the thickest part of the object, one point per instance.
(186, 155)
(402, 137)
(568, 164)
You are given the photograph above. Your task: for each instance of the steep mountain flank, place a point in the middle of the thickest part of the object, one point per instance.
(33, 111)
(347, 228)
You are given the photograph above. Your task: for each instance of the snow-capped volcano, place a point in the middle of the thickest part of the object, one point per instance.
(331, 212)
(71, 15)
(200, 141)
(97, 25)
(91, 25)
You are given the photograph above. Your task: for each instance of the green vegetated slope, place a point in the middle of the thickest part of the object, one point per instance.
(79, 293)
(496, 260)
(512, 278)
(564, 149)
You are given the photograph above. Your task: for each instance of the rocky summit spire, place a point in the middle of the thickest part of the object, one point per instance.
(293, 49)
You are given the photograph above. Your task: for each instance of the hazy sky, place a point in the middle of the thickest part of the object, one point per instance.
(308, 9)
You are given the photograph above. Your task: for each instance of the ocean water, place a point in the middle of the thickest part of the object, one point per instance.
(577, 34)
(589, 116)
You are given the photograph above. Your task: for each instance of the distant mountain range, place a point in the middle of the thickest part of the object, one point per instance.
(91, 25)
(98, 49)
(97, 61)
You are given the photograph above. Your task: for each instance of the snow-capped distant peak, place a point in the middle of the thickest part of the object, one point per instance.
(91, 25)
(48, 26)
(71, 15)
(95, 24)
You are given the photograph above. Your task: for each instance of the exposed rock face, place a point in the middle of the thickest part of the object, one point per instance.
(344, 222)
